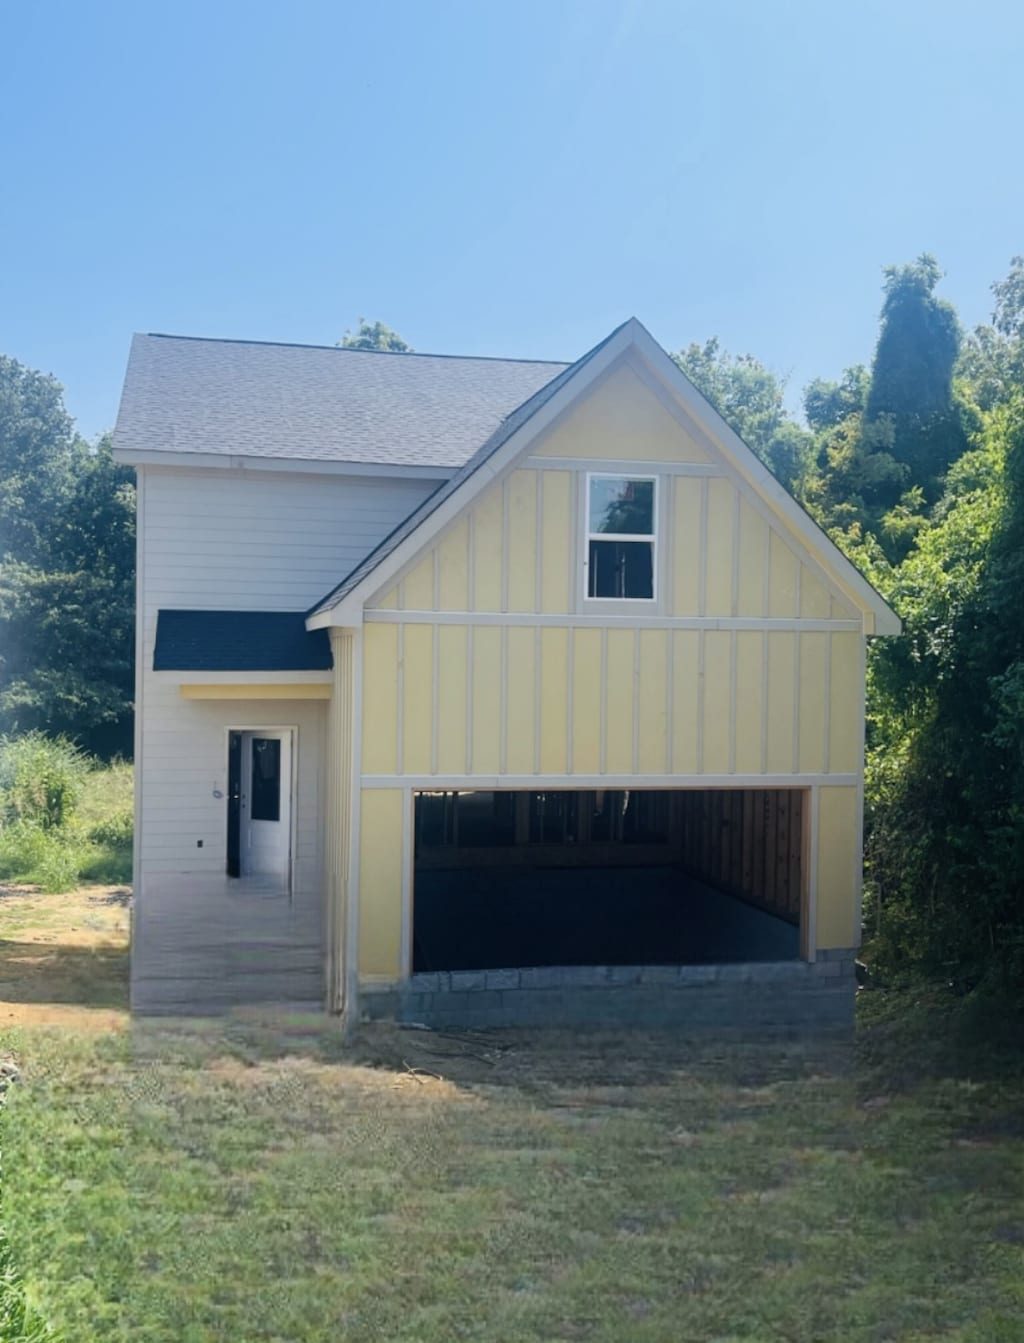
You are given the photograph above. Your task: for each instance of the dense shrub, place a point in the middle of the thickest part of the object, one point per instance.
(41, 779)
(63, 819)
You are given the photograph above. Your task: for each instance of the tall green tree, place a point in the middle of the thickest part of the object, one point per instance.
(374, 336)
(40, 456)
(946, 702)
(828, 404)
(67, 564)
(912, 375)
(992, 359)
(750, 398)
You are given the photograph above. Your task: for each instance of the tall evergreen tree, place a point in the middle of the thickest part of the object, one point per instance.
(912, 374)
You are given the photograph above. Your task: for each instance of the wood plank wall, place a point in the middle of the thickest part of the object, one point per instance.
(749, 842)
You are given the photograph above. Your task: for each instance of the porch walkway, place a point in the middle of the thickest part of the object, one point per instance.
(203, 944)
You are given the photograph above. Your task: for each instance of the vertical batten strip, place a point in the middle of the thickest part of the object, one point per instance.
(537, 687)
(766, 599)
(471, 560)
(603, 752)
(670, 698)
(702, 553)
(826, 752)
(700, 701)
(469, 699)
(575, 565)
(503, 708)
(733, 707)
(570, 673)
(538, 540)
(400, 710)
(797, 649)
(797, 670)
(435, 577)
(435, 694)
(504, 543)
(735, 592)
(764, 701)
(668, 550)
(636, 701)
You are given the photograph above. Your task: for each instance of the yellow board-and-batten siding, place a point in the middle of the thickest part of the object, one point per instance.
(748, 664)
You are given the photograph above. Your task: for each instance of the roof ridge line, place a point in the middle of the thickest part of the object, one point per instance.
(346, 349)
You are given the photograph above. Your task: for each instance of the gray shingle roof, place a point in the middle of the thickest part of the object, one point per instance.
(238, 641)
(486, 450)
(310, 402)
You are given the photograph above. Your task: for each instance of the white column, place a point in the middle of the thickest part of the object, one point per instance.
(341, 993)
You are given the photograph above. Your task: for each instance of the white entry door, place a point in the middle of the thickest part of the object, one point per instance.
(265, 819)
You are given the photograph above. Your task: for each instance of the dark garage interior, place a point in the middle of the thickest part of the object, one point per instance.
(606, 877)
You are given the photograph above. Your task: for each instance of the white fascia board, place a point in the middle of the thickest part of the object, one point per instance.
(736, 452)
(306, 465)
(349, 609)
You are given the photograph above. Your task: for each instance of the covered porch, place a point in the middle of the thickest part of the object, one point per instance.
(205, 943)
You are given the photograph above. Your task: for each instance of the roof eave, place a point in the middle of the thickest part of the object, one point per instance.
(306, 465)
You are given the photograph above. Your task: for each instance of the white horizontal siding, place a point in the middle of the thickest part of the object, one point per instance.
(237, 541)
(223, 540)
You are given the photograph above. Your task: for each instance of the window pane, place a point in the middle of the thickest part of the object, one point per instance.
(622, 506)
(621, 569)
(266, 779)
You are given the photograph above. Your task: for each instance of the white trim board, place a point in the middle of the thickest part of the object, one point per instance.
(533, 782)
(791, 624)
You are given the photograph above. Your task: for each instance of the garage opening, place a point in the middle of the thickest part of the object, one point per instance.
(607, 877)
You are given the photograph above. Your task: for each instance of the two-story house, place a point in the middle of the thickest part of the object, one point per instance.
(482, 690)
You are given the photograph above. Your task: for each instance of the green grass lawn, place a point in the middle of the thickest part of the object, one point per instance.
(248, 1183)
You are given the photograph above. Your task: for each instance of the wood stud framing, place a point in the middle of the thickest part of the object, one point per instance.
(748, 842)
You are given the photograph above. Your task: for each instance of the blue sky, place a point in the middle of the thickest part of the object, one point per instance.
(491, 178)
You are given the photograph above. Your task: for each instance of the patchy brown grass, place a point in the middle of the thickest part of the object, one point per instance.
(265, 1181)
(64, 958)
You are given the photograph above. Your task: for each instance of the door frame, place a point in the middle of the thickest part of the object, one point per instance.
(292, 744)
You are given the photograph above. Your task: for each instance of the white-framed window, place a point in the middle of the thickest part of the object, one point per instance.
(620, 563)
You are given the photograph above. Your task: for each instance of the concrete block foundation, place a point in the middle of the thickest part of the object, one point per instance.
(792, 996)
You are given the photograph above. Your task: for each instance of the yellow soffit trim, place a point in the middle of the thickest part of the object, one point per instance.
(252, 691)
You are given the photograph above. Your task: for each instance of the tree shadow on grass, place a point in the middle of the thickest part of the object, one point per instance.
(40, 972)
(900, 1046)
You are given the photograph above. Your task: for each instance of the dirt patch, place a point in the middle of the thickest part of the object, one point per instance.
(64, 958)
